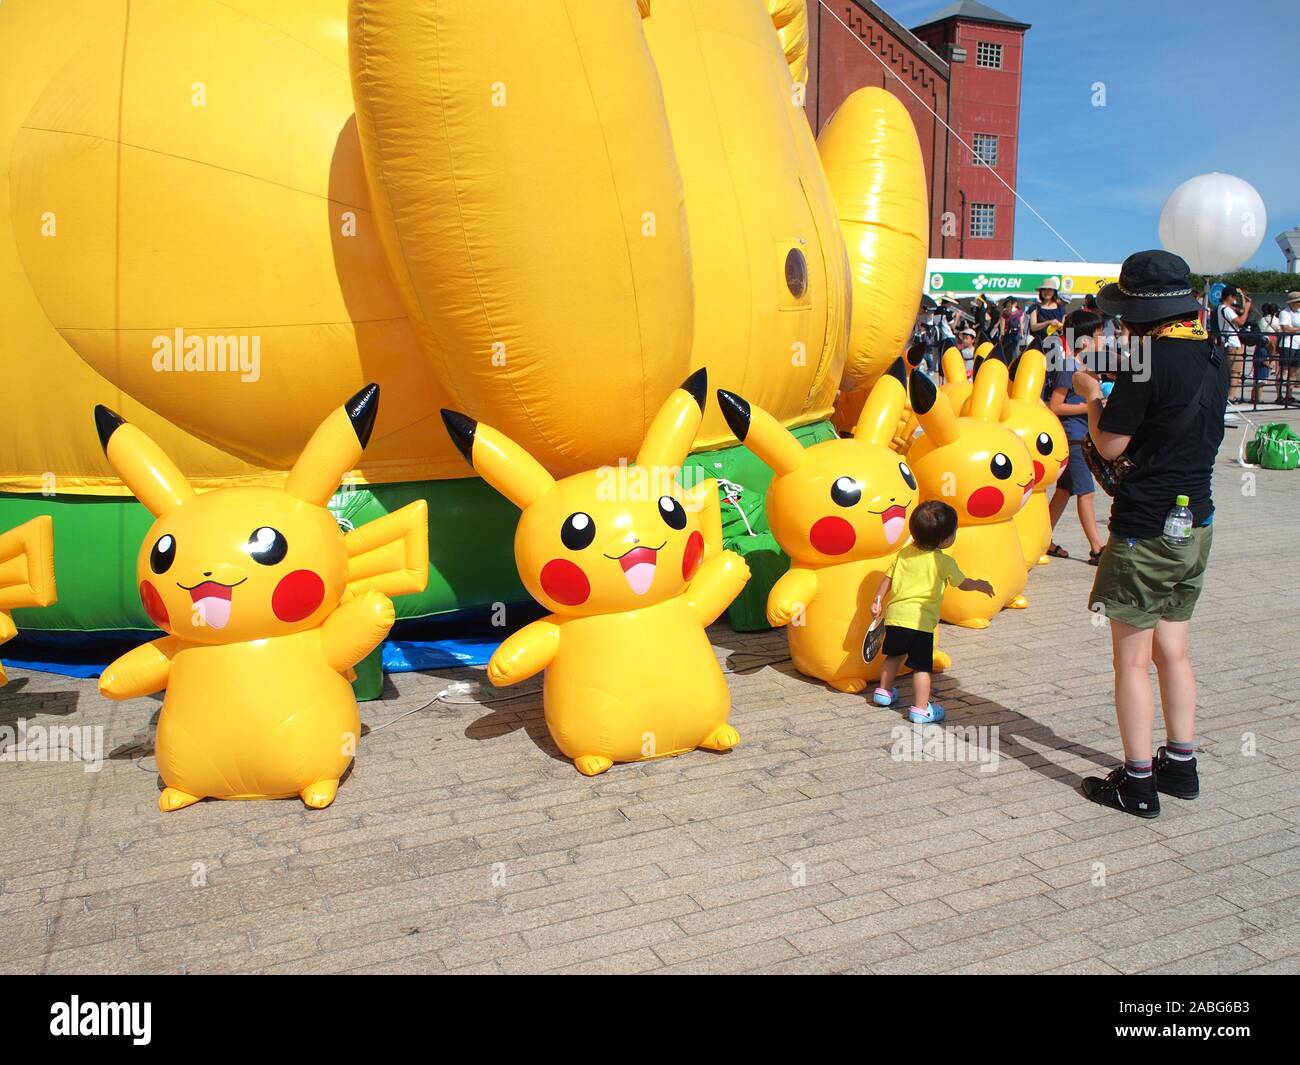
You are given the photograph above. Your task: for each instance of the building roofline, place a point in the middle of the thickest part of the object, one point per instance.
(927, 54)
(992, 18)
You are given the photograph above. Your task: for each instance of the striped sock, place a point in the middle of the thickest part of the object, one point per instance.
(1138, 770)
(1179, 751)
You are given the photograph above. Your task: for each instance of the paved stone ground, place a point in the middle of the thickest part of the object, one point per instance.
(463, 842)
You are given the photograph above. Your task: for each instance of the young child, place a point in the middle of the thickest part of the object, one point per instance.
(914, 587)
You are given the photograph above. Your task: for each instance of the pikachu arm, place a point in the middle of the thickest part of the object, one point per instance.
(356, 628)
(141, 671)
(8, 630)
(524, 653)
(704, 496)
(718, 582)
(792, 592)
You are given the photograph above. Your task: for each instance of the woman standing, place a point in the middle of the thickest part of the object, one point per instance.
(1047, 310)
(1166, 414)
(1009, 331)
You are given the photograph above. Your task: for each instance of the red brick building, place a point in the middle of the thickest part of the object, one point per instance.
(963, 64)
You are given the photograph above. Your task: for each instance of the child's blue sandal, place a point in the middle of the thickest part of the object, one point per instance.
(884, 698)
(928, 716)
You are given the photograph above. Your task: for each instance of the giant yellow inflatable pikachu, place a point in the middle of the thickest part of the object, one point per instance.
(1026, 415)
(978, 466)
(26, 573)
(839, 509)
(267, 606)
(632, 567)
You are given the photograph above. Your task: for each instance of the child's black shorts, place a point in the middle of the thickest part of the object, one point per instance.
(917, 646)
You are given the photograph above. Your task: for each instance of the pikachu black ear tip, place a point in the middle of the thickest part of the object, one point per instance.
(921, 390)
(916, 354)
(363, 409)
(898, 371)
(107, 423)
(735, 409)
(698, 386)
(461, 429)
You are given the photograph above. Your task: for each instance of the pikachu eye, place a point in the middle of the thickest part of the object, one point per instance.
(908, 476)
(1001, 466)
(673, 513)
(577, 531)
(267, 546)
(1044, 444)
(846, 491)
(163, 554)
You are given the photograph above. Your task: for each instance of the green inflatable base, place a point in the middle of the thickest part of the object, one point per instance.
(471, 547)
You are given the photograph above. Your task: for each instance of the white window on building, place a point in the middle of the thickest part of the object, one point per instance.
(985, 146)
(983, 219)
(988, 54)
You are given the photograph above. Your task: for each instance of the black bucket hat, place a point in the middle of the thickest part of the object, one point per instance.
(1152, 285)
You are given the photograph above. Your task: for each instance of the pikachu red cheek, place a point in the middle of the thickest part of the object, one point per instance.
(298, 595)
(565, 582)
(1039, 470)
(832, 536)
(985, 502)
(153, 605)
(693, 556)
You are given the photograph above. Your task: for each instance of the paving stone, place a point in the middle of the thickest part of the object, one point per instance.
(462, 841)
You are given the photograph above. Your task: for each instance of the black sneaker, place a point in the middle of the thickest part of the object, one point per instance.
(1176, 777)
(1135, 796)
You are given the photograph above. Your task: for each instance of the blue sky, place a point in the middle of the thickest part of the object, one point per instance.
(1174, 75)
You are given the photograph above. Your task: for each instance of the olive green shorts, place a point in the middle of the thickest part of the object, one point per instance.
(1141, 582)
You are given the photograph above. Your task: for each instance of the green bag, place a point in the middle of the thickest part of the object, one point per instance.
(1275, 447)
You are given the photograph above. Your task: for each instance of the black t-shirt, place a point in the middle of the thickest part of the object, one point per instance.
(1167, 467)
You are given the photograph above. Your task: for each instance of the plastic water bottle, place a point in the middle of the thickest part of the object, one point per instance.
(1178, 524)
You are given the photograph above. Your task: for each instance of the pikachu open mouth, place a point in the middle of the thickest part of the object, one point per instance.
(894, 518)
(212, 602)
(639, 567)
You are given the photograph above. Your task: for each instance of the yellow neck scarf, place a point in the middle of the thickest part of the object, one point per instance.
(1191, 329)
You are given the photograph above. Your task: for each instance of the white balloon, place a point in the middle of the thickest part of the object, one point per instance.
(1216, 222)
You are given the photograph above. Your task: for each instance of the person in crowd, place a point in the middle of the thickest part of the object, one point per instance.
(914, 588)
(966, 345)
(1264, 357)
(1008, 333)
(1288, 352)
(932, 330)
(1165, 414)
(983, 317)
(1083, 340)
(1233, 312)
(1047, 309)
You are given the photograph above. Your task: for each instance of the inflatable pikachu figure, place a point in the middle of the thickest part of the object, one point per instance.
(956, 384)
(632, 567)
(977, 465)
(267, 606)
(26, 573)
(839, 509)
(1026, 415)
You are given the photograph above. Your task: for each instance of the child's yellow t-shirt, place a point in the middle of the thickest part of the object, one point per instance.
(916, 590)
